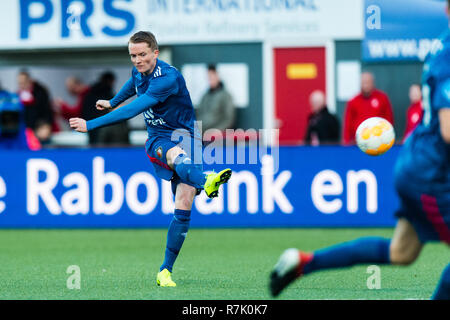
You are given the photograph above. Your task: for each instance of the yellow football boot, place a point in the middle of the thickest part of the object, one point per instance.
(214, 180)
(163, 279)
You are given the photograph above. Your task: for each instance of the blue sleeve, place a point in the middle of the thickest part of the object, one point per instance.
(163, 86)
(131, 110)
(441, 98)
(127, 91)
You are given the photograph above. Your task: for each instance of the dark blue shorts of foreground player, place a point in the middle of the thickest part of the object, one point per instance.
(426, 206)
(157, 147)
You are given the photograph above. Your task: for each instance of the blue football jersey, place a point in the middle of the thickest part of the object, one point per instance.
(175, 109)
(425, 157)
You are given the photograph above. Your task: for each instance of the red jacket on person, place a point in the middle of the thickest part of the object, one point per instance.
(414, 116)
(68, 111)
(360, 108)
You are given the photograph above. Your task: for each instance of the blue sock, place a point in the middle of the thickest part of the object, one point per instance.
(189, 171)
(442, 291)
(176, 234)
(359, 251)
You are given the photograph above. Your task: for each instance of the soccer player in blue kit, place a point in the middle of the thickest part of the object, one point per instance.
(169, 115)
(422, 181)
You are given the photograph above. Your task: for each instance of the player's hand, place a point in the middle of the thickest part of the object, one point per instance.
(103, 105)
(78, 124)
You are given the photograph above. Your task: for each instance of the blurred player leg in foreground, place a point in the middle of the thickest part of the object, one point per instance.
(403, 249)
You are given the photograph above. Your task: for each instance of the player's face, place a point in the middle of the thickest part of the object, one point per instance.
(142, 57)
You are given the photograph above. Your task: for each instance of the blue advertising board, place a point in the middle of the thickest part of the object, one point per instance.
(111, 188)
(402, 29)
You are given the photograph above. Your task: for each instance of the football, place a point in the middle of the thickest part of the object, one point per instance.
(375, 136)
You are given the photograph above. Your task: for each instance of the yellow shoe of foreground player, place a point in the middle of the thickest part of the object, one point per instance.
(214, 180)
(163, 279)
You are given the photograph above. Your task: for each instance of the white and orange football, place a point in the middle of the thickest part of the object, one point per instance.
(375, 136)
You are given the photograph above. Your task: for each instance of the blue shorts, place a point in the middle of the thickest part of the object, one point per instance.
(156, 148)
(426, 206)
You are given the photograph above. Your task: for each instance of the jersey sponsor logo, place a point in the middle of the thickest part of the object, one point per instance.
(156, 122)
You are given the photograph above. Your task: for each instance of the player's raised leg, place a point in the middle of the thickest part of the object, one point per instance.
(187, 170)
(179, 226)
(403, 249)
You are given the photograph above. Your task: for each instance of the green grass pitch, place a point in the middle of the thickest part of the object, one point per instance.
(213, 264)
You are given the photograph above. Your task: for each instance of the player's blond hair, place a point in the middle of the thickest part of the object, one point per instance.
(147, 37)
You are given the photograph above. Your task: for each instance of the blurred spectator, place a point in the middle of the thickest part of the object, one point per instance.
(323, 127)
(415, 111)
(103, 89)
(78, 89)
(13, 133)
(216, 108)
(38, 110)
(371, 102)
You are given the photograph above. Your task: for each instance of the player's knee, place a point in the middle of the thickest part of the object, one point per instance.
(175, 155)
(403, 255)
(185, 198)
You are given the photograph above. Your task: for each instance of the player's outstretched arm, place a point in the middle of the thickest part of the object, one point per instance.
(127, 91)
(126, 112)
